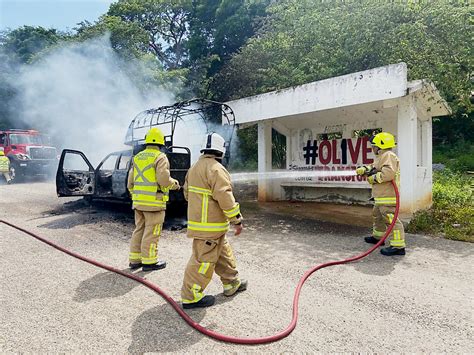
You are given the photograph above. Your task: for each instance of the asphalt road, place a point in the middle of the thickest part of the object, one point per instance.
(51, 302)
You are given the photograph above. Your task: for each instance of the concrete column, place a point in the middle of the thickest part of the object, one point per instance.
(427, 133)
(264, 159)
(289, 148)
(426, 198)
(407, 152)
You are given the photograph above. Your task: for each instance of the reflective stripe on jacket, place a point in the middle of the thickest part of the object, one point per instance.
(211, 203)
(387, 165)
(149, 180)
(4, 164)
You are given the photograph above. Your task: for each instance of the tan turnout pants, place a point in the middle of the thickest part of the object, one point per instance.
(208, 256)
(383, 217)
(6, 175)
(144, 243)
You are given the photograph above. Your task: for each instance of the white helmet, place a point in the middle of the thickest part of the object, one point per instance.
(213, 141)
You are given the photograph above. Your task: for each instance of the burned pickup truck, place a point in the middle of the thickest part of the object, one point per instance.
(108, 181)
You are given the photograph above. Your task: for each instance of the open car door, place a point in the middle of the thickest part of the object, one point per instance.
(75, 175)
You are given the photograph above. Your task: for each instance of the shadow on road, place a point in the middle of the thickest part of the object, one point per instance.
(80, 212)
(156, 330)
(376, 264)
(105, 285)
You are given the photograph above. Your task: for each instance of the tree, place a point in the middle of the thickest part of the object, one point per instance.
(127, 39)
(164, 21)
(218, 29)
(25, 42)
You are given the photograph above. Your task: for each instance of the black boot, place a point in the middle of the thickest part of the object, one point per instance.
(392, 251)
(206, 301)
(372, 240)
(135, 266)
(236, 286)
(158, 266)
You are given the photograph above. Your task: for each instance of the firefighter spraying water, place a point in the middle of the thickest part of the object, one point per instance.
(384, 171)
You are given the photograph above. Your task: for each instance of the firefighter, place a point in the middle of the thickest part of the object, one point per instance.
(211, 210)
(149, 183)
(5, 167)
(385, 169)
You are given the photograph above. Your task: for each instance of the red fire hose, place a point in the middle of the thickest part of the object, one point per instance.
(225, 338)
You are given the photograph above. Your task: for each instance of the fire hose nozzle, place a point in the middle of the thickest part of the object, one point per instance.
(371, 172)
(366, 170)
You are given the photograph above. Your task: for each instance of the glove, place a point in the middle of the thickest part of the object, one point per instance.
(238, 229)
(375, 179)
(361, 170)
(176, 185)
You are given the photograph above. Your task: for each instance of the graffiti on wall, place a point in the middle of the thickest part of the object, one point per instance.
(331, 155)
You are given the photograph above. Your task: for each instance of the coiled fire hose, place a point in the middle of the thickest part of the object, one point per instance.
(221, 337)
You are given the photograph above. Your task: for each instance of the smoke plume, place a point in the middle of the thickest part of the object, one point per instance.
(83, 97)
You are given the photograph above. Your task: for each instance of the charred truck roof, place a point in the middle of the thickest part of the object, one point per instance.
(212, 113)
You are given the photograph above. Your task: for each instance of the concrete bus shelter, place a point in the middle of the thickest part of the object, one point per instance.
(322, 122)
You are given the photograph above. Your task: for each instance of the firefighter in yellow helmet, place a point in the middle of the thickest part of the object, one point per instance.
(211, 210)
(5, 167)
(149, 183)
(385, 169)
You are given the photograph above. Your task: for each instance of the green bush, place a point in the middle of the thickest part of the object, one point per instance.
(451, 189)
(459, 157)
(452, 213)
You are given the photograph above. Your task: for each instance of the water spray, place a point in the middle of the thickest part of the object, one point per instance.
(249, 177)
(210, 333)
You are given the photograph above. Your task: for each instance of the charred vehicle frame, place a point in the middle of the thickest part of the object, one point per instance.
(108, 181)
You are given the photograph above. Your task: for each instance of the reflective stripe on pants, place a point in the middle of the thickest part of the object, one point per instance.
(144, 242)
(382, 218)
(208, 256)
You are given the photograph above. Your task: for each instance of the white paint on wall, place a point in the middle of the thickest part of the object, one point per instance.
(367, 86)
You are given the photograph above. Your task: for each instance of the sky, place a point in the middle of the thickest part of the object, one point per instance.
(59, 14)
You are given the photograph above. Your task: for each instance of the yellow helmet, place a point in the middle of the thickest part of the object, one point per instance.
(384, 140)
(155, 136)
(2, 153)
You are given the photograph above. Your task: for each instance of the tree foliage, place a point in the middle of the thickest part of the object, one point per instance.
(23, 43)
(306, 40)
(164, 21)
(217, 30)
(127, 39)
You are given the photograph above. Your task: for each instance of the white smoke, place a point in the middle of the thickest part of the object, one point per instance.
(81, 96)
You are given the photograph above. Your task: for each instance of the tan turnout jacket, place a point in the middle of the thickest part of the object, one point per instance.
(211, 203)
(387, 165)
(163, 179)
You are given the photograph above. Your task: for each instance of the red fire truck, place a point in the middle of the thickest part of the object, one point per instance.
(30, 153)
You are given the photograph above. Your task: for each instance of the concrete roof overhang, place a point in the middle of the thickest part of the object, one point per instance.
(367, 91)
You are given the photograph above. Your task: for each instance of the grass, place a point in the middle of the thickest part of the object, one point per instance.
(452, 213)
(458, 157)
